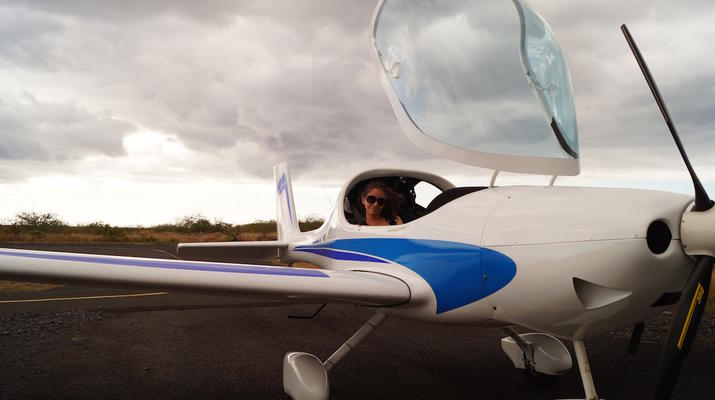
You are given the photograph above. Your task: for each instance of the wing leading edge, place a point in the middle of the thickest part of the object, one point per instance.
(295, 284)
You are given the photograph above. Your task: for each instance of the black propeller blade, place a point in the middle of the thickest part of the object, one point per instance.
(702, 201)
(683, 328)
(695, 294)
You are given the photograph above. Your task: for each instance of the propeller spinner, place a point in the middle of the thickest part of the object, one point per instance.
(697, 234)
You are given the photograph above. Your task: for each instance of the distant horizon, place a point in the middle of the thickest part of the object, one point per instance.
(16, 219)
(315, 199)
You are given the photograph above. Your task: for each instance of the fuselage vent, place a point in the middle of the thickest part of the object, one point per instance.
(658, 237)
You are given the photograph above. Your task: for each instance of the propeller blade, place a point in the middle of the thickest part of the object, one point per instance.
(695, 294)
(702, 201)
(683, 328)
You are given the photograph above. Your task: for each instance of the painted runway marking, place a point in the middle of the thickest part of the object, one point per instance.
(115, 296)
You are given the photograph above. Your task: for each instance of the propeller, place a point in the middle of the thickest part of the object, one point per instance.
(695, 293)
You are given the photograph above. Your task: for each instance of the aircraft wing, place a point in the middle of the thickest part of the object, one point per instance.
(295, 284)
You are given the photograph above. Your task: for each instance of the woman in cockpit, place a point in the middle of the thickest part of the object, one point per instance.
(379, 204)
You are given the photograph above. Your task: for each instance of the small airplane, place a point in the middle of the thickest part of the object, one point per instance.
(568, 263)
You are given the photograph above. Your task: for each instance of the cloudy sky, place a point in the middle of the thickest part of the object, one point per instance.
(139, 112)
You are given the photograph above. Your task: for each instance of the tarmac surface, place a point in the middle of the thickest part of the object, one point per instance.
(148, 344)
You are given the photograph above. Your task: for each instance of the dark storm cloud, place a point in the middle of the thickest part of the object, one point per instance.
(296, 83)
(262, 82)
(41, 131)
(290, 70)
(695, 108)
(691, 103)
(130, 10)
(206, 11)
(25, 37)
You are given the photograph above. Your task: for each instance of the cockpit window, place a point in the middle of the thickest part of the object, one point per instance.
(415, 195)
(419, 197)
(425, 192)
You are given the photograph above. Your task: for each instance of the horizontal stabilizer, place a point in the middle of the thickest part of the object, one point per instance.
(294, 284)
(231, 251)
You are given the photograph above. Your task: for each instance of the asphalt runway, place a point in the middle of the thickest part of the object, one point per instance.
(148, 344)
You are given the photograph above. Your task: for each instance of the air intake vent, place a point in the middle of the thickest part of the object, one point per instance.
(592, 295)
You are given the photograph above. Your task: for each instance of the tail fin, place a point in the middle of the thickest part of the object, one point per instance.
(286, 219)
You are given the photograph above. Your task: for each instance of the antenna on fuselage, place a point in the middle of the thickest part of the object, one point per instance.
(494, 178)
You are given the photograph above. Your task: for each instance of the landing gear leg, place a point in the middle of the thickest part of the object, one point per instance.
(306, 378)
(364, 330)
(526, 348)
(585, 369)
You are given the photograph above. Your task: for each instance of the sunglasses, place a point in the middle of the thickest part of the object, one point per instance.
(372, 199)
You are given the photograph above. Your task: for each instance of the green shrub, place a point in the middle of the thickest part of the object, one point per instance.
(310, 223)
(37, 223)
(108, 232)
(195, 224)
(41, 224)
(259, 226)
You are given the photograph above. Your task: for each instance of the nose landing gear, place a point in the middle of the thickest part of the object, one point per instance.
(539, 353)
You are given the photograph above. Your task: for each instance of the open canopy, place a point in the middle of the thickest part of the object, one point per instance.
(481, 82)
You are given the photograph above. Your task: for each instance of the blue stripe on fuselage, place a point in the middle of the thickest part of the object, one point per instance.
(458, 273)
(185, 265)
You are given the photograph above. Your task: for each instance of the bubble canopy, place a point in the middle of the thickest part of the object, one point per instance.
(483, 82)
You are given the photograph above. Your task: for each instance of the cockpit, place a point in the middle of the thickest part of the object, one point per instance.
(420, 193)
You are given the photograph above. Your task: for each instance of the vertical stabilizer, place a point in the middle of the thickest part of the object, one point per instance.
(286, 218)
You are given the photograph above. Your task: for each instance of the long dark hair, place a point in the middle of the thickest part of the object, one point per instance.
(394, 200)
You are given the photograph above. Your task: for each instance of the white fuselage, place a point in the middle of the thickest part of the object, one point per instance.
(581, 264)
